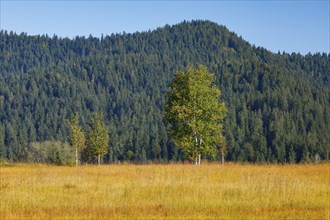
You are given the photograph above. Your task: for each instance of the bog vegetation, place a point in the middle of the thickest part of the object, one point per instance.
(278, 104)
(173, 191)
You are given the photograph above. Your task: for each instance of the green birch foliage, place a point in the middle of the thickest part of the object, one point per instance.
(77, 138)
(98, 137)
(194, 112)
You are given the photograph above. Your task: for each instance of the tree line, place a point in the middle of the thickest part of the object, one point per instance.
(277, 103)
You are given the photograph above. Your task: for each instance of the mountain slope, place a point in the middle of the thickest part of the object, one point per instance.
(278, 103)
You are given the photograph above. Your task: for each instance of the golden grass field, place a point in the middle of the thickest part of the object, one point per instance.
(174, 191)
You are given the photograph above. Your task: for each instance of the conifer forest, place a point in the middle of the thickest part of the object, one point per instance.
(278, 104)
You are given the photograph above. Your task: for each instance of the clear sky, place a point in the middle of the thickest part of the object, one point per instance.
(290, 26)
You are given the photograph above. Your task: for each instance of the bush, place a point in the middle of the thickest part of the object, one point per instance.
(51, 152)
(4, 162)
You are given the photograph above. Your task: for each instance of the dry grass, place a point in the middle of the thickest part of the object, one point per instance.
(165, 191)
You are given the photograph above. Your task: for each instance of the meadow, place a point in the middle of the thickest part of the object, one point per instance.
(173, 191)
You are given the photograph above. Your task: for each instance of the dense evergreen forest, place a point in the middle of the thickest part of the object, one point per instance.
(278, 104)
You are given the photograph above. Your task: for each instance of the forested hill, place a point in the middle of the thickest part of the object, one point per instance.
(278, 104)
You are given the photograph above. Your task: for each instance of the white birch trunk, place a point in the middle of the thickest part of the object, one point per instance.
(195, 153)
(99, 159)
(199, 156)
(76, 158)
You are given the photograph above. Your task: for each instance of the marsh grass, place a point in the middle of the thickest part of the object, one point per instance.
(165, 191)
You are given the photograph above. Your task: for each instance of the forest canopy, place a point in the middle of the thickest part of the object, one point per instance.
(278, 104)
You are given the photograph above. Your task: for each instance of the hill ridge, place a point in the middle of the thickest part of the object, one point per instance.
(278, 103)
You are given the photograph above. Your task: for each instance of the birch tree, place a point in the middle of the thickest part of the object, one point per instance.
(77, 138)
(194, 112)
(98, 137)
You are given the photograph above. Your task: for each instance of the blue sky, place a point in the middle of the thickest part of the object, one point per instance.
(290, 26)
